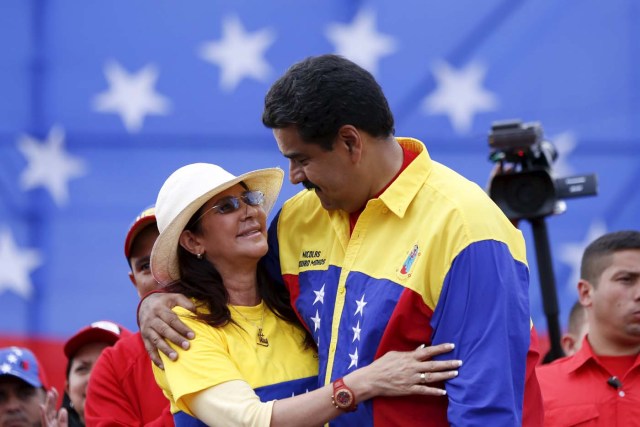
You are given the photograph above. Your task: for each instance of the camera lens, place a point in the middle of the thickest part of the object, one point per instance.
(525, 194)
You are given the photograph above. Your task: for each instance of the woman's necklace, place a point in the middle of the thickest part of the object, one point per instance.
(260, 339)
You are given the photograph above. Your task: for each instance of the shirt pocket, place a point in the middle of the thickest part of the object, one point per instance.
(576, 415)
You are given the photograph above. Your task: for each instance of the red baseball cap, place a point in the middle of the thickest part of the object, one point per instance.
(101, 331)
(146, 217)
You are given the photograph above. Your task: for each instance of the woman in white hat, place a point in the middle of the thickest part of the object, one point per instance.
(251, 363)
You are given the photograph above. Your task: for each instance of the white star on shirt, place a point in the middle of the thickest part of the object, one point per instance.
(459, 94)
(49, 165)
(571, 253)
(360, 41)
(316, 322)
(12, 358)
(239, 54)
(361, 303)
(354, 359)
(356, 332)
(17, 351)
(5, 368)
(319, 295)
(15, 266)
(132, 96)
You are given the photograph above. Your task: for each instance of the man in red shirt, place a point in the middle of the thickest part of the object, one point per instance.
(600, 384)
(122, 389)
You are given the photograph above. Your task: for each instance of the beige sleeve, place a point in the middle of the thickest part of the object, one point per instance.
(233, 403)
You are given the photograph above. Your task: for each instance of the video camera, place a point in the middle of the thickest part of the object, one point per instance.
(524, 186)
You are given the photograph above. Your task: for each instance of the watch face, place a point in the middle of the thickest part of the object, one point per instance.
(344, 398)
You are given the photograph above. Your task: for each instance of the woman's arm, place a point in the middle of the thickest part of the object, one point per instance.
(394, 374)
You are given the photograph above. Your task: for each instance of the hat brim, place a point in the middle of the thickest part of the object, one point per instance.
(33, 381)
(164, 256)
(89, 336)
(135, 229)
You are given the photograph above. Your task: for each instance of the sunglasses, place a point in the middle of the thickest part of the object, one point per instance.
(232, 203)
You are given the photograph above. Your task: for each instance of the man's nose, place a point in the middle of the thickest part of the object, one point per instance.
(636, 291)
(12, 403)
(296, 174)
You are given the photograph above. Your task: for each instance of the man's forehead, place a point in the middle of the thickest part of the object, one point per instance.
(627, 260)
(9, 381)
(287, 137)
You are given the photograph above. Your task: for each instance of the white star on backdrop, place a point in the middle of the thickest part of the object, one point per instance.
(571, 253)
(361, 303)
(12, 358)
(239, 54)
(319, 295)
(354, 359)
(356, 332)
(15, 266)
(49, 165)
(132, 96)
(316, 322)
(5, 368)
(565, 143)
(360, 41)
(459, 94)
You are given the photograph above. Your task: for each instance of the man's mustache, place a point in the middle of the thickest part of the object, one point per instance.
(310, 185)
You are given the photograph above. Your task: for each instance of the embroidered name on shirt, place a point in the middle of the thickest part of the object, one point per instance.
(313, 258)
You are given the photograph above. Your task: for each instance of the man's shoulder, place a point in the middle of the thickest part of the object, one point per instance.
(453, 186)
(126, 349)
(555, 367)
(552, 375)
(302, 209)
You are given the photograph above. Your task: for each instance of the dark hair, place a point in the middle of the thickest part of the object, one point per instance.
(321, 94)
(596, 256)
(199, 279)
(72, 414)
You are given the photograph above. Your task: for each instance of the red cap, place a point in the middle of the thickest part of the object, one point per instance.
(102, 331)
(145, 218)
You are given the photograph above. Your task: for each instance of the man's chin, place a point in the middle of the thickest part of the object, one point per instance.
(327, 204)
(16, 423)
(323, 201)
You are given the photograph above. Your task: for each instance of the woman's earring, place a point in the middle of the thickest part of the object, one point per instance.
(199, 256)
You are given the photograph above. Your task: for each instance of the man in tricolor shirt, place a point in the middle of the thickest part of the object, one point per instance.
(388, 249)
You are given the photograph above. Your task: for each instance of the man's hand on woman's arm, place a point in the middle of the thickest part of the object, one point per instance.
(158, 322)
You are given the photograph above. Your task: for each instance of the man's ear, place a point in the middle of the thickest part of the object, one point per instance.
(351, 139)
(568, 344)
(133, 279)
(190, 242)
(585, 291)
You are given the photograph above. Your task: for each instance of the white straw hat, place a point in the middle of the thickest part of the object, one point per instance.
(184, 192)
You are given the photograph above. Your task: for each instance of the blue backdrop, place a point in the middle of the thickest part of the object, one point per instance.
(100, 101)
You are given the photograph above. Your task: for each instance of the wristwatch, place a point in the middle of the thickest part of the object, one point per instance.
(343, 397)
